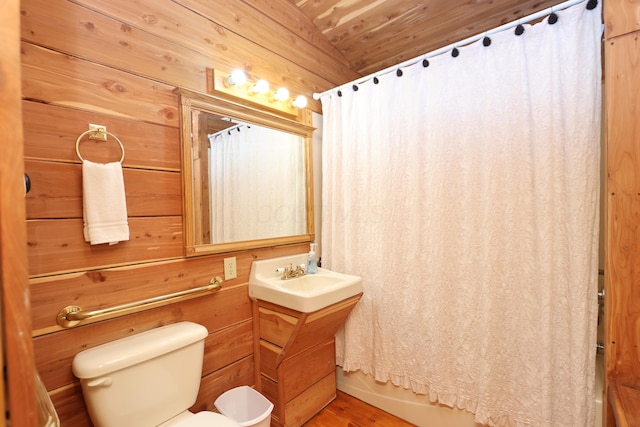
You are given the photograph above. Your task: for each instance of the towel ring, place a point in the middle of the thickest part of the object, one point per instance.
(93, 131)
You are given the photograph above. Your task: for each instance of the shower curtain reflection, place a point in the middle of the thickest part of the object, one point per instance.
(257, 185)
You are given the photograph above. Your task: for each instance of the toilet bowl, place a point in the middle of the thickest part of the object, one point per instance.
(150, 379)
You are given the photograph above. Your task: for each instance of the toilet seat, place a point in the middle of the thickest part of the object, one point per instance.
(206, 419)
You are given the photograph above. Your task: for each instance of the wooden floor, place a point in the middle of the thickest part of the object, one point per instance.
(347, 411)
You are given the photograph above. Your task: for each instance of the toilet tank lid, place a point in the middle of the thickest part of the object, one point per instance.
(122, 353)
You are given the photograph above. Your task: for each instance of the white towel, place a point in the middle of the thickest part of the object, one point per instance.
(104, 203)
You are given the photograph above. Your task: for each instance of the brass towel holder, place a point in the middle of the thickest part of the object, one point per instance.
(99, 133)
(73, 315)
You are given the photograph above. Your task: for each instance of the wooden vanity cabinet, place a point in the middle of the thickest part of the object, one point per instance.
(295, 358)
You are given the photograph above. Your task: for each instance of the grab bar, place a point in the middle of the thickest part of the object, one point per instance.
(72, 315)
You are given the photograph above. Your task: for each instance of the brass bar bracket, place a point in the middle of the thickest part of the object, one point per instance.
(98, 132)
(73, 315)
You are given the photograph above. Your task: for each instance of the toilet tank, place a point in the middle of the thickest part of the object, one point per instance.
(145, 379)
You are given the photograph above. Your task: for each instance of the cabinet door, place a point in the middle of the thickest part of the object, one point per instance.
(308, 403)
(276, 327)
(307, 368)
(320, 326)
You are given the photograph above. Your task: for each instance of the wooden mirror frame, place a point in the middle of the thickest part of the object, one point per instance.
(192, 211)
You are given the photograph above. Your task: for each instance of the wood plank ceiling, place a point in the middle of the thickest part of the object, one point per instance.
(376, 34)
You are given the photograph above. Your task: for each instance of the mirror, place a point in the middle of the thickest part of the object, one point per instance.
(247, 179)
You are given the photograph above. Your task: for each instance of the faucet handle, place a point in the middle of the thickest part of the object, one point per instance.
(291, 271)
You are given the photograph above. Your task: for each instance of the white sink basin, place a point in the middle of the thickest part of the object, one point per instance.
(307, 293)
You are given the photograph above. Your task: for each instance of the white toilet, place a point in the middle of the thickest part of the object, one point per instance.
(148, 379)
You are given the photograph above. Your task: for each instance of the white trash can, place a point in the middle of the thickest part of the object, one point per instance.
(245, 406)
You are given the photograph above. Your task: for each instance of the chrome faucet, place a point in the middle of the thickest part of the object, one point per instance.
(292, 272)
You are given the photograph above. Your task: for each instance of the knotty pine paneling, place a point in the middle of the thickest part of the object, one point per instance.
(70, 406)
(17, 405)
(50, 133)
(213, 385)
(56, 78)
(125, 284)
(623, 210)
(287, 14)
(171, 43)
(376, 35)
(269, 25)
(57, 191)
(58, 246)
(228, 345)
(60, 25)
(621, 17)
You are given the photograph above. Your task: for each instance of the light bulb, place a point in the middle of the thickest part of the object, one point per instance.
(281, 94)
(300, 101)
(261, 86)
(237, 78)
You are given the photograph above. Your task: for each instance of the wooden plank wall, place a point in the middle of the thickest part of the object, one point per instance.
(17, 385)
(116, 63)
(622, 281)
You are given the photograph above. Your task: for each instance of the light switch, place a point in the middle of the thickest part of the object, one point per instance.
(230, 268)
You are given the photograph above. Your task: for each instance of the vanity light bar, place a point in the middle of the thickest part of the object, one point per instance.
(259, 87)
(237, 85)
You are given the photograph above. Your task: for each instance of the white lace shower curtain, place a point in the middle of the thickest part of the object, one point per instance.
(465, 193)
(256, 188)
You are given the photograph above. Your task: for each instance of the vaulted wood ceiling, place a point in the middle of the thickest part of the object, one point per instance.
(376, 34)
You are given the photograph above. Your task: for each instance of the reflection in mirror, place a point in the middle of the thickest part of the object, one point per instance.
(246, 176)
(256, 181)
